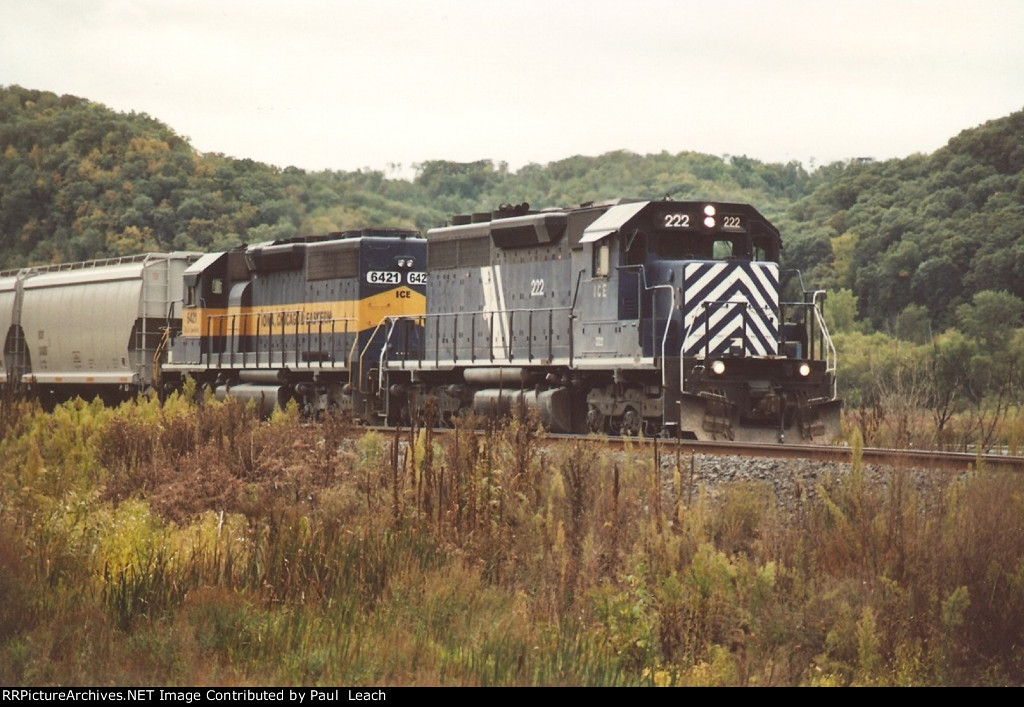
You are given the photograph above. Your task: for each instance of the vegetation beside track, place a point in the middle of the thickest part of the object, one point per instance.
(184, 545)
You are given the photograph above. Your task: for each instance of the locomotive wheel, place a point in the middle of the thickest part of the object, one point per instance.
(595, 419)
(630, 423)
(399, 416)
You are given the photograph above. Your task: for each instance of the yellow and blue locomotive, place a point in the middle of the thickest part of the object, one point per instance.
(625, 317)
(299, 319)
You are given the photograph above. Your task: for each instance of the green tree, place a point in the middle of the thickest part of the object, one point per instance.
(914, 324)
(841, 311)
(949, 378)
(990, 318)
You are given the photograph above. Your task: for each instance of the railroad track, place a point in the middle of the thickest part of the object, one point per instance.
(924, 459)
(906, 458)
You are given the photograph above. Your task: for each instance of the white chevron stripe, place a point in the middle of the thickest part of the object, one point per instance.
(719, 281)
(768, 276)
(725, 329)
(732, 327)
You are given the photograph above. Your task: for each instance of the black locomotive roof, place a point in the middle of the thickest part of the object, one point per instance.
(339, 235)
(512, 227)
(377, 233)
(682, 216)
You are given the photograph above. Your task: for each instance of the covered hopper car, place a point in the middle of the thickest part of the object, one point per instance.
(91, 328)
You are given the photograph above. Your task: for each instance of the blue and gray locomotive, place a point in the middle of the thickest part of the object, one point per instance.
(628, 317)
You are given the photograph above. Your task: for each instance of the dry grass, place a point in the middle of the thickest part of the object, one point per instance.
(181, 545)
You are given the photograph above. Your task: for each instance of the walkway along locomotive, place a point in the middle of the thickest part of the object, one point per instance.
(626, 317)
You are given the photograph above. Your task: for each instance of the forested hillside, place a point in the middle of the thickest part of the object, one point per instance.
(80, 181)
(926, 231)
(923, 257)
(189, 542)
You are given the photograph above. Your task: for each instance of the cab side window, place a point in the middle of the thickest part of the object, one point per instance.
(602, 259)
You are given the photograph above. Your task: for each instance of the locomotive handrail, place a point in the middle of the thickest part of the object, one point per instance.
(828, 352)
(499, 350)
(668, 323)
(654, 314)
(682, 354)
(236, 325)
(573, 315)
(799, 277)
(383, 353)
(350, 360)
(831, 358)
(383, 350)
(392, 322)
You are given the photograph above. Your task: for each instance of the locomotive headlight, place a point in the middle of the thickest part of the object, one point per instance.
(718, 367)
(804, 370)
(709, 216)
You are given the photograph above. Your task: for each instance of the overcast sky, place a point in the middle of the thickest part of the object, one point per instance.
(343, 84)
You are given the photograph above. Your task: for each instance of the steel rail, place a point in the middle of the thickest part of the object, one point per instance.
(902, 458)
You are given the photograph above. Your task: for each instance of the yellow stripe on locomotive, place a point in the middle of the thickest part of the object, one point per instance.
(361, 315)
(298, 303)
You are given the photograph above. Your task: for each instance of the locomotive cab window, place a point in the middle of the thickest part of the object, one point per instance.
(735, 247)
(722, 250)
(765, 250)
(635, 247)
(602, 259)
(682, 247)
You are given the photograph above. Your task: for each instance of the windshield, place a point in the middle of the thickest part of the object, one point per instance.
(717, 247)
